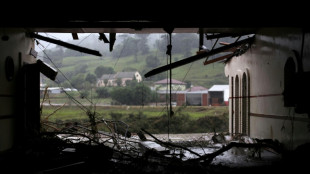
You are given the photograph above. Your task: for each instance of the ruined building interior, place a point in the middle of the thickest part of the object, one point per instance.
(268, 72)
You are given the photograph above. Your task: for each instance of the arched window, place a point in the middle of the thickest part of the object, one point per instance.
(244, 108)
(232, 105)
(236, 113)
(289, 84)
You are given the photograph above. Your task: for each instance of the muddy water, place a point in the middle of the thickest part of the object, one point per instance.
(182, 137)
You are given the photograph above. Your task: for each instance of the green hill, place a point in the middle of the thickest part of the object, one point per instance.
(196, 72)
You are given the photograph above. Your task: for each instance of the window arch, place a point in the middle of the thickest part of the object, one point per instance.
(244, 112)
(232, 105)
(289, 77)
(236, 113)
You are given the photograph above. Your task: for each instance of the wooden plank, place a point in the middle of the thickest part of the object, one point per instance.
(218, 59)
(221, 35)
(196, 57)
(64, 44)
(75, 36)
(112, 40)
(103, 37)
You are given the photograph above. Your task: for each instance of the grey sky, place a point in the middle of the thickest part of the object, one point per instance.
(58, 36)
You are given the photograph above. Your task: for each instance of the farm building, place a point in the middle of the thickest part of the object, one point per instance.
(194, 96)
(162, 89)
(163, 85)
(218, 95)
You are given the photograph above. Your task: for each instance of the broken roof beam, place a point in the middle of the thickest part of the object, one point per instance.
(75, 36)
(112, 37)
(196, 57)
(221, 35)
(103, 37)
(218, 59)
(64, 44)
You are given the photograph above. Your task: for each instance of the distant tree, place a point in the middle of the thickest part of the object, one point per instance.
(84, 94)
(80, 68)
(105, 81)
(77, 81)
(161, 44)
(91, 78)
(119, 82)
(131, 83)
(141, 95)
(100, 70)
(127, 48)
(181, 43)
(152, 61)
(62, 79)
(66, 84)
(136, 95)
(122, 95)
(102, 92)
(142, 43)
(127, 82)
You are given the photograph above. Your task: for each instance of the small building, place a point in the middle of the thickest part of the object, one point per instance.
(56, 90)
(111, 79)
(163, 95)
(163, 85)
(194, 96)
(219, 95)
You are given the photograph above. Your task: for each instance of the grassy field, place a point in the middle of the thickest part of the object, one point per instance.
(67, 113)
(193, 119)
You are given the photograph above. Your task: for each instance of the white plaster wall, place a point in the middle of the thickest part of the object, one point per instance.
(264, 64)
(138, 77)
(17, 43)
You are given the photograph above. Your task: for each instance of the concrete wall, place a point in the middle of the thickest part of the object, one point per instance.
(14, 44)
(261, 101)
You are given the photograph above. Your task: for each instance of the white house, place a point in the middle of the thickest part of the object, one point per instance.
(111, 79)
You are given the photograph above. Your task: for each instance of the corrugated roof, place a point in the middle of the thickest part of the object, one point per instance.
(198, 92)
(167, 92)
(173, 81)
(219, 88)
(196, 88)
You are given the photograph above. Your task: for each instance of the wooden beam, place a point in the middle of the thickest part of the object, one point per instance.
(112, 40)
(103, 37)
(224, 43)
(221, 35)
(75, 36)
(196, 57)
(64, 44)
(218, 59)
(200, 38)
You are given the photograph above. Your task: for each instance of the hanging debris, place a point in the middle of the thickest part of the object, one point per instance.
(64, 44)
